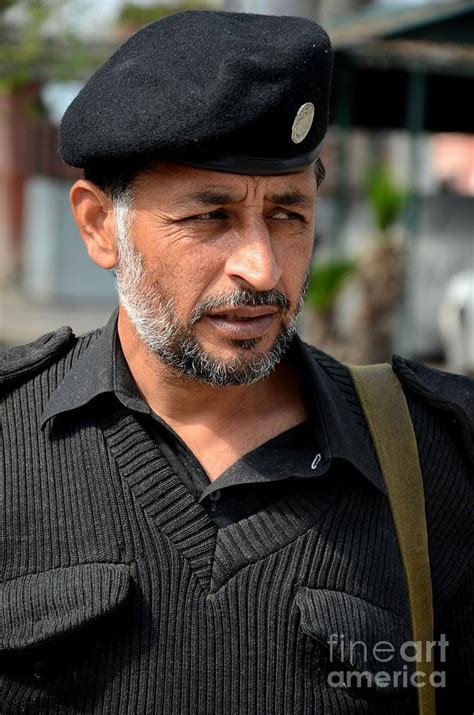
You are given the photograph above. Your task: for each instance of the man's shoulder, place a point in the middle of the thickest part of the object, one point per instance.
(444, 391)
(438, 386)
(20, 363)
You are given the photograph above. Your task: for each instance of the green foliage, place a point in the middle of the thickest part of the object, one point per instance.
(386, 198)
(40, 44)
(30, 50)
(326, 282)
(139, 15)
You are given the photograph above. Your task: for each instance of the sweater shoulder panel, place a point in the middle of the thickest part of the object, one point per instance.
(444, 391)
(23, 361)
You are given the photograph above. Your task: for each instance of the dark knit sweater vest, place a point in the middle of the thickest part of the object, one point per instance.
(121, 596)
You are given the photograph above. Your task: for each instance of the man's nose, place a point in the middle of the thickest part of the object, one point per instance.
(253, 258)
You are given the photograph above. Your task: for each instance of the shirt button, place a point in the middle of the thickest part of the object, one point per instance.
(40, 671)
(215, 496)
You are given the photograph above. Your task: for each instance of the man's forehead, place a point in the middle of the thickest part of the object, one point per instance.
(184, 184)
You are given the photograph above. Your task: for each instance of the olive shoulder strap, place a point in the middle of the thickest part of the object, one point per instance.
(386, 411)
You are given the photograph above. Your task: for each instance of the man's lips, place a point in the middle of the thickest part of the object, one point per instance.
(242, 323)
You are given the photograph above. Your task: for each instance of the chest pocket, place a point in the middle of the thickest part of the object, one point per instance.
(40, 607)
(50, 626)
(365, 648)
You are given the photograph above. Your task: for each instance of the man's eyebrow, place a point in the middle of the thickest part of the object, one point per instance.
(209, 197)
(292, 198)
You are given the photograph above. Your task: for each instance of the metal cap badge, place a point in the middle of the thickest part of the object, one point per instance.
(302, 123)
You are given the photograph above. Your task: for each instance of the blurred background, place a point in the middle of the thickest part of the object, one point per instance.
(394, 267)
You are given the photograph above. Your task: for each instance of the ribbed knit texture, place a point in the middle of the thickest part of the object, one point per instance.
(137, 603)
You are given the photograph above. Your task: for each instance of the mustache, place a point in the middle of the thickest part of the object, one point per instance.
(240, 299)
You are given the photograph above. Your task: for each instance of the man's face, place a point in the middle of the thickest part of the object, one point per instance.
(213, 268)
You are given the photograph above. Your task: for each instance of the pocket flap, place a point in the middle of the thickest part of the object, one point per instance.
(360, 637)
(38, 607)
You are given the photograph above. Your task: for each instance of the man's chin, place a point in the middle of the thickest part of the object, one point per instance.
(242, 362)
(240, 348)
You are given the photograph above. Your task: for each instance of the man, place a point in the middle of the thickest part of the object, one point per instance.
(194, 519)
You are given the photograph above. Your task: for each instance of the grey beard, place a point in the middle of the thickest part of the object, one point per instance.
(186, 356)
(154, 318)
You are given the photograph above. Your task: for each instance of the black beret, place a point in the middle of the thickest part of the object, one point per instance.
(226, 91)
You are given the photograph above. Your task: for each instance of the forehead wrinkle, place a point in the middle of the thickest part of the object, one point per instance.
(226, 193)
(249, 188)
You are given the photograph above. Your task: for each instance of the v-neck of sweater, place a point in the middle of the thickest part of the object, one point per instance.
(213, 554)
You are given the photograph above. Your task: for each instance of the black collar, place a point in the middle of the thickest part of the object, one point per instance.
(340, 430)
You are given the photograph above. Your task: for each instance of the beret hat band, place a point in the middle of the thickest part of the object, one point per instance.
(225, 91)
(262, 166)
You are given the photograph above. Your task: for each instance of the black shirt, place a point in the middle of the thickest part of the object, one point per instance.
(290, 461)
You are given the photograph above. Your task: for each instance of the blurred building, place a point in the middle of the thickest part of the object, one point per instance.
(324, 11)
(401, 82)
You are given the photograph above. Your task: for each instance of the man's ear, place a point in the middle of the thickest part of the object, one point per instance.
(94, 216)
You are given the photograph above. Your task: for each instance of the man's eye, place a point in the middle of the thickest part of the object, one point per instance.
(209, 215)
(287, 215)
